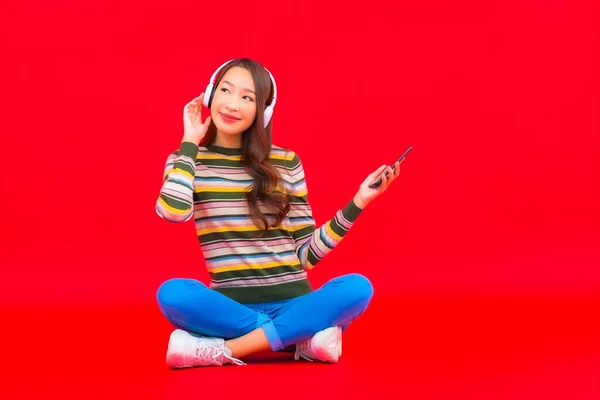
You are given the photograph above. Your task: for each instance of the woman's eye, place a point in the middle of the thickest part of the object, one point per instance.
(248, 98)
(224, 90)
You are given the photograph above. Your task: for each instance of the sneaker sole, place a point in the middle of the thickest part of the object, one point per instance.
(339, 340)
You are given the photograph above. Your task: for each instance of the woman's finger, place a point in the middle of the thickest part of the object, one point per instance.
(389, 176)
(390, 172)
(377, 172)
(384, 183)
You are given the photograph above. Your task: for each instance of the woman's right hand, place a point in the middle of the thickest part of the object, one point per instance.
(193, 128)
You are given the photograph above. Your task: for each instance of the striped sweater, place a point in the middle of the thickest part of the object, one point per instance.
(210, 185)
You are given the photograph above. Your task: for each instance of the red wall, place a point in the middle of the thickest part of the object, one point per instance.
(500, 101)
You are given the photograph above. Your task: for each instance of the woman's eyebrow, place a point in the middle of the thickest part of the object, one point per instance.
(246, 89)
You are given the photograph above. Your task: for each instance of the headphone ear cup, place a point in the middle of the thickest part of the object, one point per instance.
(208, 95)
(268, 115)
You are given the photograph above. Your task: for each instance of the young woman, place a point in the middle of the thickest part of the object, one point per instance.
(249, 202)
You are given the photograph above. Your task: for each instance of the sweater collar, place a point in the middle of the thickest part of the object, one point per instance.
(228, 151)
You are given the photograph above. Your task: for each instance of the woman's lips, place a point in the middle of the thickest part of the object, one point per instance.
(230, 119)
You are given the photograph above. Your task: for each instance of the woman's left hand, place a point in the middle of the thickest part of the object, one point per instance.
(365, 194)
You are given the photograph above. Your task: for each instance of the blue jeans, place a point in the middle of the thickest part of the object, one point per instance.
(190, 305)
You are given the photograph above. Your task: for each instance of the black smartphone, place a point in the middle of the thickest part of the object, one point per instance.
(378, 182)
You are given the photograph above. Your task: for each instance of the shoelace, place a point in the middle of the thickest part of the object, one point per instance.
(234, 360)
(212, 350)
(302, 348)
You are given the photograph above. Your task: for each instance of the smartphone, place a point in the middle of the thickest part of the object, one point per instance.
(378, 182)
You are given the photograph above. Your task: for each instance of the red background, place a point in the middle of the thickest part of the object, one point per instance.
(500, 100)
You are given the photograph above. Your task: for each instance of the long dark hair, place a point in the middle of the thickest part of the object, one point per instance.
(256, 147)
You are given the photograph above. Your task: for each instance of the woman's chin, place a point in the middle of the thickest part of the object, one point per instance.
(227, 129)
(230, 132)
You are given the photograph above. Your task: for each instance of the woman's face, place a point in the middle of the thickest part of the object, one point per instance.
(233, 106)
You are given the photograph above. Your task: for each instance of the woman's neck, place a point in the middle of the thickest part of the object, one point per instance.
(229, 141)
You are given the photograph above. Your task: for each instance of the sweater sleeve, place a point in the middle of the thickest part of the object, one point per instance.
(176, 200)
(311, 243)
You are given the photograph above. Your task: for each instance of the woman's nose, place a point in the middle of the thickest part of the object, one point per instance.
(232, 103)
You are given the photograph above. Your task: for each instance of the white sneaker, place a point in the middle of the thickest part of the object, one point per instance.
(325, 346)
(186, 350)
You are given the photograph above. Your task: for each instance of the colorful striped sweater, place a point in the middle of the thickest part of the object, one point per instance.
(210, 185)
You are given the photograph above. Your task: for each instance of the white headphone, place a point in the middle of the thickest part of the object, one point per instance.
(209, 93)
